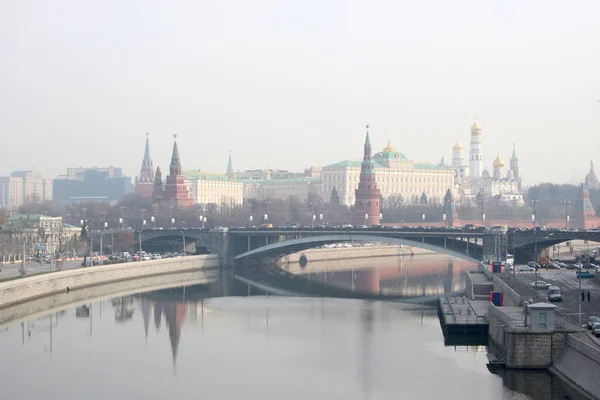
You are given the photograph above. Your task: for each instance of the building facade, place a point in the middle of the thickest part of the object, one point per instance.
(23, 187)
(591, 181)
(395, 175)
(93, 185)
(41, 234)
(208, 188)
(502, 186)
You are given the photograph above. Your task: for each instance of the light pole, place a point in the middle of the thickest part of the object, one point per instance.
(172, 219)
(422, 219)
(266, 216)
(102, 234)
(580, 296)
(122, 219)
(153, 220)
(250, 219)
(202, 221)
(567, 214)
(366, 218)
(445, 221)
(533, 215)
(312, 222)
(380, 218)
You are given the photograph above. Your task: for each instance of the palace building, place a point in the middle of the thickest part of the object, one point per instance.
(395, 175)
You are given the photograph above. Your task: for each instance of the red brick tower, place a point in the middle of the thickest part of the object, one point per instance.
(367, 195)
(144, 184)
(584, 215)
(176, 194)
(157, 191)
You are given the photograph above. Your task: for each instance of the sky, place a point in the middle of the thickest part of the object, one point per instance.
(287, 84)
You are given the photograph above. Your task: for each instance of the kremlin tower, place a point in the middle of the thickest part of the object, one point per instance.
(368, 196)
(175, 193)
(476, 154)
(144, 184)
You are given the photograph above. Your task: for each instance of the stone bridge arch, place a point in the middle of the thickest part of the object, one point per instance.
(290, 246)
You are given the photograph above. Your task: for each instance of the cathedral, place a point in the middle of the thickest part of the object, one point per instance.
(472, 179)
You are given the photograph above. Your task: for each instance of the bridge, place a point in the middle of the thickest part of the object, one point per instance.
(238, 246)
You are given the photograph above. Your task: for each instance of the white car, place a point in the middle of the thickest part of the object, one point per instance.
(540, 285)
(526, 268)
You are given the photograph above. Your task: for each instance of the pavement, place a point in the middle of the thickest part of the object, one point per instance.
(567, 281)
(9, 271)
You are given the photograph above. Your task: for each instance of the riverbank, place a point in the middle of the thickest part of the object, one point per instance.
(22, 290)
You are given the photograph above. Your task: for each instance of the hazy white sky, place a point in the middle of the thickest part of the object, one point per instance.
(292, 83)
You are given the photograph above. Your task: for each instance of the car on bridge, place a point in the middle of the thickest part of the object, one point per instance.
(584, 275)
(573, 266)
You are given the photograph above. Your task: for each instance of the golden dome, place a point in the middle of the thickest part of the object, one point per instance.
(389, 148)
(498, 162)
(457, 146)
(476, 129)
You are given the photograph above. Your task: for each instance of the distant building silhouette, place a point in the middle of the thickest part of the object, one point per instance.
(175, 192)
(591, 180)
(144, 184)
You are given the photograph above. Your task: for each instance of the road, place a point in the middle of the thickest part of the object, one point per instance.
(569, 285)
(31, 268)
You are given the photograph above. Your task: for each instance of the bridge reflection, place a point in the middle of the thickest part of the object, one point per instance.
(432, 275)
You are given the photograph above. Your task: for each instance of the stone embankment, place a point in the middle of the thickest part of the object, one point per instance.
(26, 289)
(346, 253)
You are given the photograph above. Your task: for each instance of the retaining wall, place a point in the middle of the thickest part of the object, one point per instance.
(345, 253)
(25, 289)
(579, 365)
(510, 297)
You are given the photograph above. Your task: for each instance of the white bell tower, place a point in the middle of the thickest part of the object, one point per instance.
(476, 153)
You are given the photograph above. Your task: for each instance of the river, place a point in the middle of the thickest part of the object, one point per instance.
(192, 342)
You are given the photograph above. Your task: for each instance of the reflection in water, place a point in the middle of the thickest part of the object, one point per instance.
(418, 276)
(257, 347)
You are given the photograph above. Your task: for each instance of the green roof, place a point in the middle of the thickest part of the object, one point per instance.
(390, 156)
(206, 176)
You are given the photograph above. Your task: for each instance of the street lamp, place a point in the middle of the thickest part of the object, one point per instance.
(380, 218)
(250, 219)
(312, 223)
(202, 221)
(266, 216)
(566, 214)
(321, 219)
(172, 219)
(445, 221)
(366, 218)
(422, 219)
(122, 219)
(533, 215)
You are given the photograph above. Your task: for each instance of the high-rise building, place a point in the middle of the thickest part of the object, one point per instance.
(24, 187)
(92, 184)
(476, 153)
(144, 184)
(368, 196)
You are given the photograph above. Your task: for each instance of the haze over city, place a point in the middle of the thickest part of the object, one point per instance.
(286, 85)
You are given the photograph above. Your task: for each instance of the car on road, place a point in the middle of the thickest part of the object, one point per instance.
(540, 285)
(554, 293)
(584, 275)
(572, 266)
(533, 264)
(592, 320)
(596, 329)
(525, 268)
(589, 266)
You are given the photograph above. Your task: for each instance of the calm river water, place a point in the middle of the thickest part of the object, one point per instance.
(190, 343)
